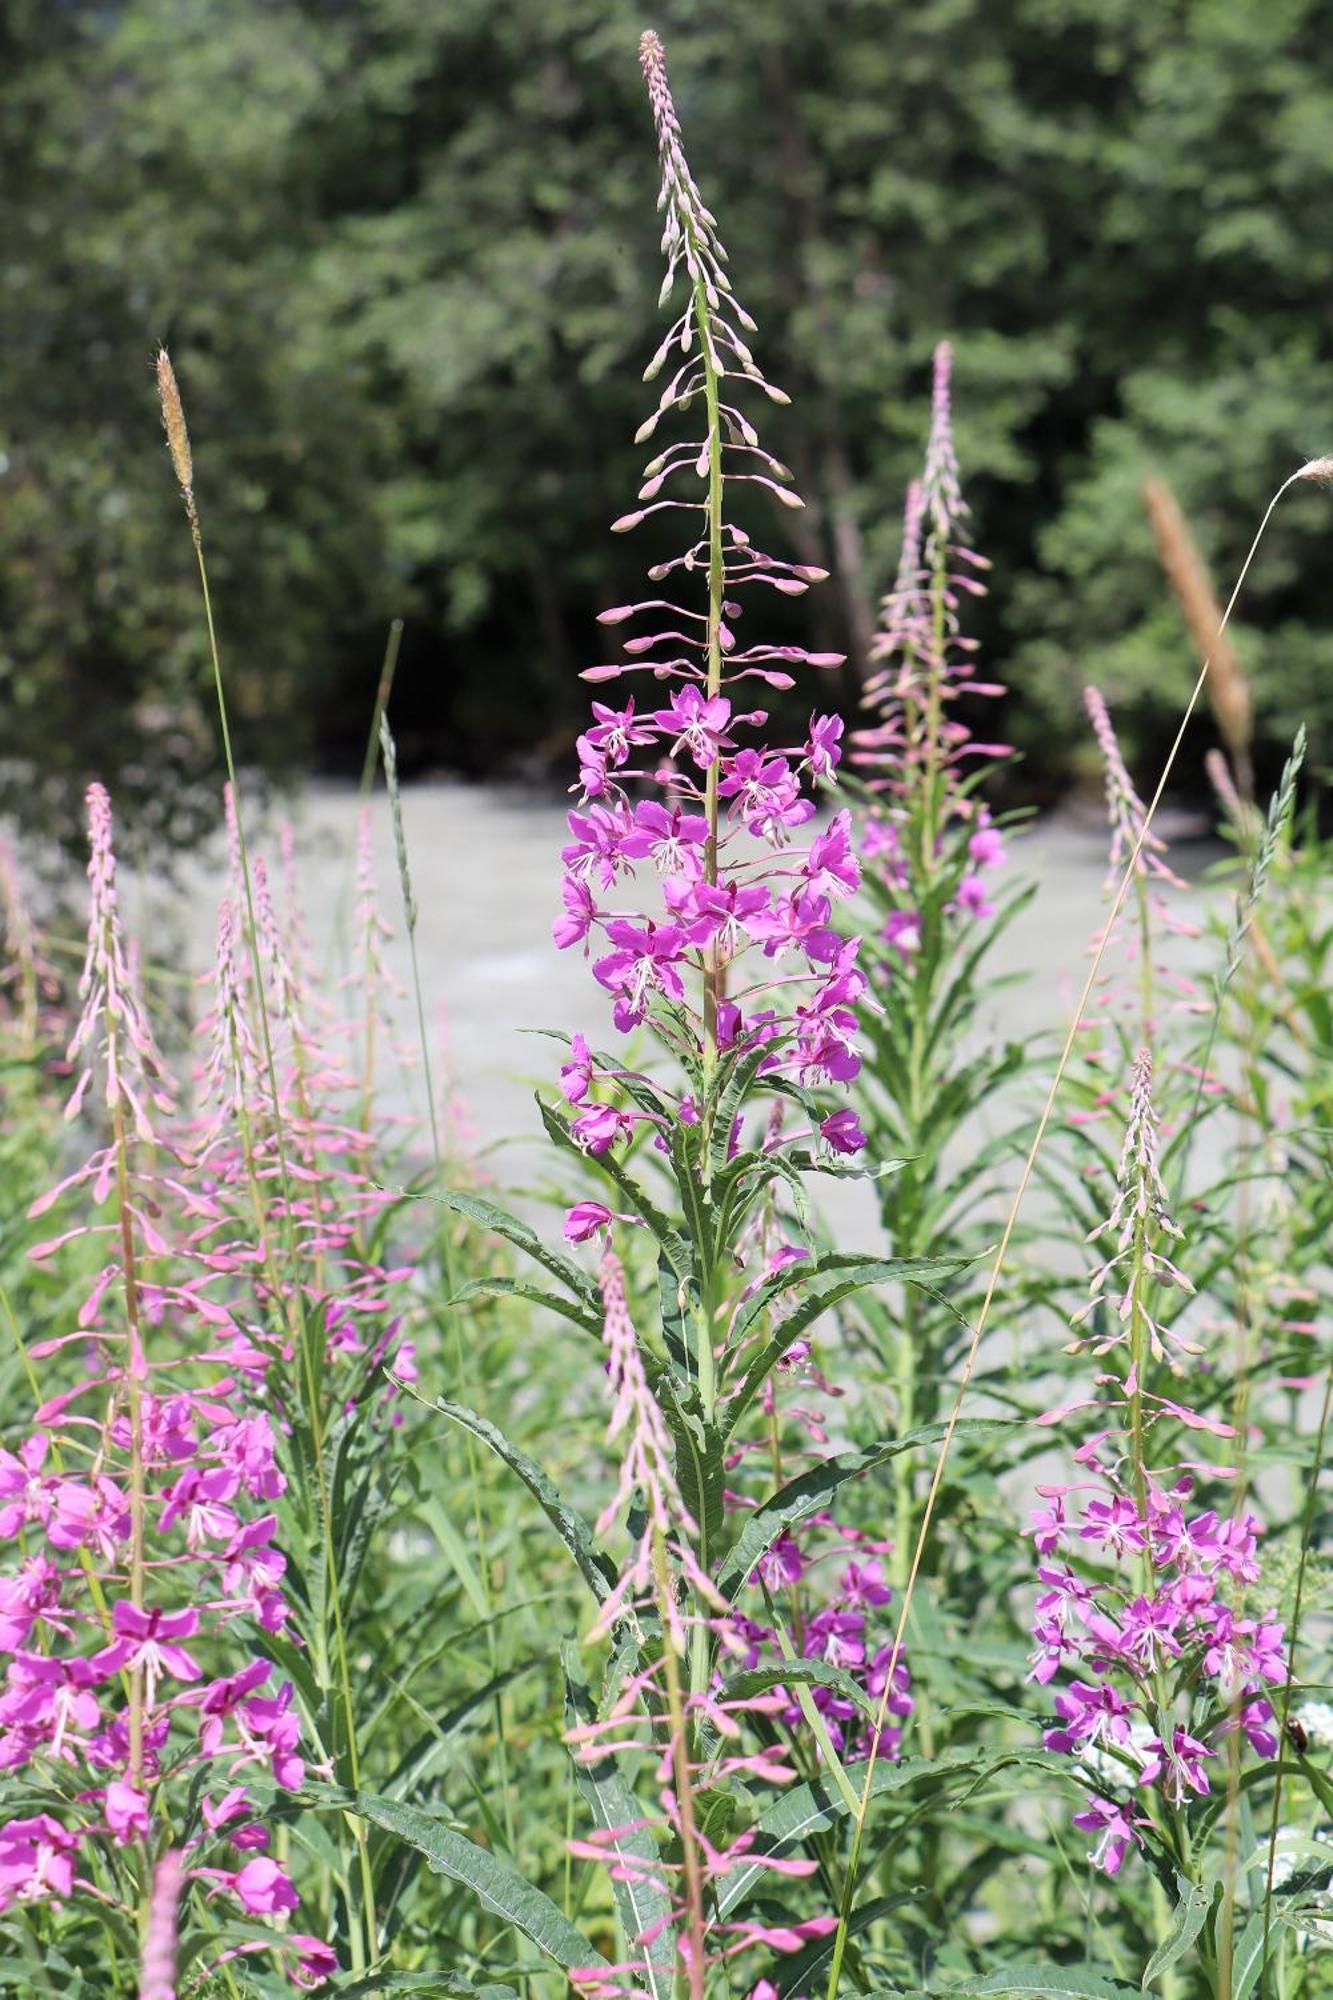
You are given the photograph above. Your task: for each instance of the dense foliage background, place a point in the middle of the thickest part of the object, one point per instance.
(405, 260)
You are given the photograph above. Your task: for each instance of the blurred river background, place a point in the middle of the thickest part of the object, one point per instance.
(485, 867)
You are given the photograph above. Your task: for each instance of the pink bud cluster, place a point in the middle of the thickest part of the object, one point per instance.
(1149, 914)
(921, 759)
(646, 1471)
(680, 889)
(639, 1722)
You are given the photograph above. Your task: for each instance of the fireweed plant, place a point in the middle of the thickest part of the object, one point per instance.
(749, 1674)
(1163, 1625)
(141, 1704)
(937, 892)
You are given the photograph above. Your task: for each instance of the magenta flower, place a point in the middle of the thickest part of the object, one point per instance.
(315, 1961)
(645, 961)
(971, 899)
(36, 1860)
(1116, 1831)
(576, 1075)
(843, 1131)
(145, 1642)
(986, 848)
(599, 1128)
(698, 723)
(126, 1811)
(261, 1888)
(1178, 1768)
(587, 1219)
(902, 931)
(823, 750)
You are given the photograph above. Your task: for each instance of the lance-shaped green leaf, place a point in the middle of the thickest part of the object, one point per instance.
(1195, 1901)
(497, 1887)
(699, 1454)
(642, 1894)
(831, 1279)
(809, 1809)
(361, 1986)
(815, 1489)
(805, 1972)
(1044, 1982)
(594, 1565)
(579, 1310)
(501, 1223)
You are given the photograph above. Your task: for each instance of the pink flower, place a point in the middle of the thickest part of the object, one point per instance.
(823, 751)
(986, 847)
(261, 1888)
(1179, 1767)
(1116, 1830)
(146, 1640)
(315, 1960)
(126, 1811)
(598, 1129)
(843, 1131)
(36, 1860)
(585, 1219)
(576, 1074)
(698, 723)
(902, 930)
(971, 899)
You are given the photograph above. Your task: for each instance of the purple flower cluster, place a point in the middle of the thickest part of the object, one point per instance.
(1165, 1665)
(678, 889)
(833, 1626)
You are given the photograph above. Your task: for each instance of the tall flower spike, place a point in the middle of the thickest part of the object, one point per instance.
(645, 1466)
(1125, 810)
(157, 1971)
(1140, 1216)
(719, 894)
(941, 482)
(112, 1030)
(921, 659)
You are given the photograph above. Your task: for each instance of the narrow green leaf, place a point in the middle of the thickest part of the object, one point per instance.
(699, 1454)
(1195, 1901)
(582, 1314)
(501, 1223)
(497, 1887)
(815, 1489)
(855, 1275)
(594, 1566)
(813, 1808)
(1046, 1982)
(803, 1973)
(1247, 1955)
(361, 1986)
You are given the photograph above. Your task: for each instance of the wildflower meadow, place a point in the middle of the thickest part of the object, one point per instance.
(628, 1583)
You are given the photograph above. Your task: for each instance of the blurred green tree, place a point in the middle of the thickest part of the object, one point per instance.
(404, 258)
